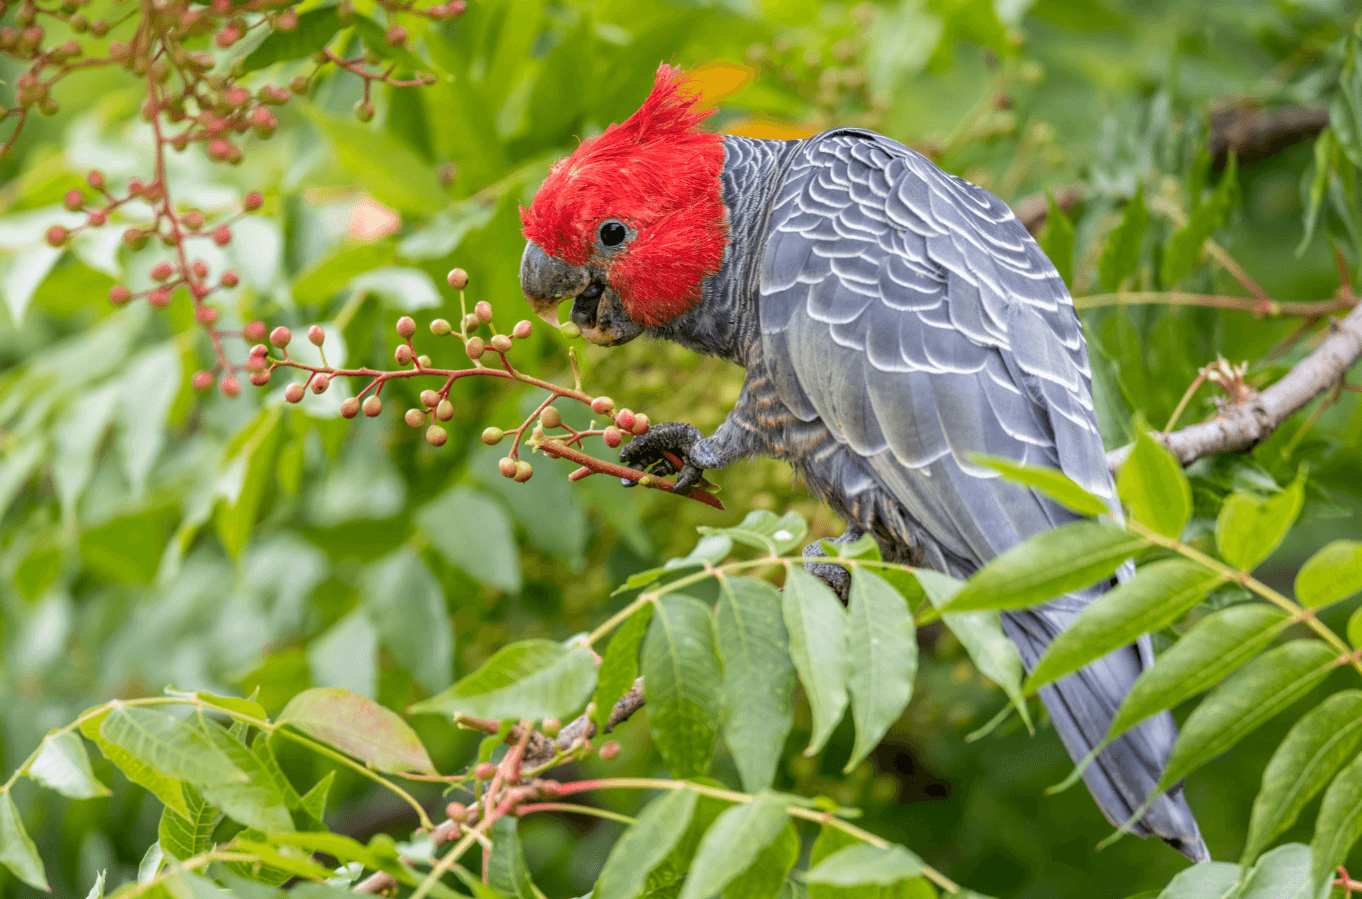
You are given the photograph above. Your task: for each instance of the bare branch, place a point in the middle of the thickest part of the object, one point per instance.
(583, 728)
(1244, 425)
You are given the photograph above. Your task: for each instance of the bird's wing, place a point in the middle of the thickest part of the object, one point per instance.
(913, 314)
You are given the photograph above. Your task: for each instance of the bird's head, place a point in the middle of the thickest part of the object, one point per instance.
(629, 226)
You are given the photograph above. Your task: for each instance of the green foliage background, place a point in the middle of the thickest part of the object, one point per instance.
(150, 536)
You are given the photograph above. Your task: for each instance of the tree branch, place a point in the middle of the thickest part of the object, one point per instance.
(583, 728)
(1243, 425)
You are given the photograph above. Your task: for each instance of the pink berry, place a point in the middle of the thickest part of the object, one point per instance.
(610, 751)
(457, 278)
(57, 235)
(507, 467)
(625, 419)
(222, 235)
(95, 179)
(118, 294)
(162, 270)
(436, 435)
(97, 218)
(316, 335)
(294, 392)
(160, 298)
(206, 315)
(640, 424)
(372, 406)
(320, 383)
(612, 437)
(74, 199)
(522, 330)
(429, 398)
(253, 200)
(483, 310)
(602, 404)
(414, 418)
(202, 380)
(256, 329)
(485, 771)
(280, 337)
(230, 279)
(406, 327)
(404, 354)
(260, 378)
(475, 347)
(230, 386)
(349, 408)
(501, 343)
(523, 472)
(200, 269)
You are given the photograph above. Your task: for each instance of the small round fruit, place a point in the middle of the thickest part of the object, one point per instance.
(523, 472)
(485, 771)
(625, 419)
(500, 343)
(372, 406)
(406, 327)
(550, 727)
(522, 329)
(280, 337)
(641, 424)
(483, 310)
(349, 408)
(230, 386)
(475, 347)
(316, 335)
(404, 354)
(492, 436)
(415, 418)
(202, 380)
(320, 383)
(507, 467)
(436, 435)
(444, 411)
(429, 398)
(612, 437)
(260, 378)
(255, 330)
(457, 278)
(602, 404)
(610, 751)
(551, 417)
(118, 294)
(294, 392)
(440, 327)
(570, 330)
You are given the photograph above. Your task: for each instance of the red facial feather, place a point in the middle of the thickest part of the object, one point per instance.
(659, 174)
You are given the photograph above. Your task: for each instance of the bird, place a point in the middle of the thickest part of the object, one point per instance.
(893, 320)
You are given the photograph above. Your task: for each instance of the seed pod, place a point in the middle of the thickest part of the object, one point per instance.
(507, 467)
(280, 337)
(444, 411)
(372, 406)
(500, 343)
(523, 472)
(551, 417)
(457, 278)
(406, 327)
(320, 383)
(415, 418)
(294, 392)
(436, 435)
(349, 408)
(492, 436)
(522, 330)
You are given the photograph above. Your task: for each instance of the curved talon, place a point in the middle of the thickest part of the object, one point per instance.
(648, 452)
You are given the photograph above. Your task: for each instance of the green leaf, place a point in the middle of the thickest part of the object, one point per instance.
(164, 788)
(1215, 646)
(260, 802)
(313, 802)
(830, 841)
(506, 871)
(1182, 252)
(765, 530)
(1206, 880)
(1051, 563)
(1247, 700)
(359, 727)
(1355, 629)
(249, 471)
(185, 836)
(1333, 573)
(1283, 873)
(1158, 595)
(766, 876)
(862, 864)
(1339, 823)
(1345, 111)
(1315, 747)
(407, 606)
(732, 844)
(530, 679)
(473, 533)
(97, 889)
(1154, 487)
(63, 765)
(169, 745)
(17, 851)
(619, 665)
(1058, 240)
(315, 28)
(1121, 255)
(1050, 481)
(1249, 528)
(758, 677)
(882, 647)
(817, 626)
(382, 164)
(684, 681)
(644, 845)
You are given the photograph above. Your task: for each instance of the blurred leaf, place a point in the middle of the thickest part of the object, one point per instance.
(765, 530)
(22, 273)
(345, 656)
(1158, 595)
(766, 876)
(382, 164)
(408, 607)
(1245, 701)
(882, 649)
(63, 765)
(315, 28)
(314, 800)
(1217, 645)
(401, 287)
(1053, 562)
(1050, 481)
(506, 871)
(1339, 823)
(185, 836)
(619, 665)
(865, 864)
(1058, 240)
(443, 233)
(1206, 880)
(564, 533)
(163, 787)
(17, 851)
(732, 844)
(531, 679)
(472, 533)
(1313, 187)
(1249, 528)
(249, 469)
(817, 627)
(644, 845)
(1314, 749)
(151, 863)
(1331, 574)
(149, 387)
(1283, 873)
(1182, 252)
(830, 841)
(1345, 112)
(1355, 629)
(685, 682)
(97, 889)
(331, 274)
(359, 727)
(758, 677)
(1121, 255)
(1155, 489)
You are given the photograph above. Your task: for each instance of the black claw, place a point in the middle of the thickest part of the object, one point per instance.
(648, 453)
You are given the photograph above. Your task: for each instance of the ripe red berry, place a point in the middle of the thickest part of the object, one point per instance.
(349, 408)
(202, 380)
(316, 335)
(206, 315)
(232, 279)
(160, 298)
(253, 200)
(95, 179)
(625, 419)
(161, 271)
(640, 424)
(612, 437)
(74, 199)
(97, 217)
(57, 235)
(260, 378)
(200, 269)
(294, 392)
(222, 235)
(372, 406)
(230, 386)
(280, 337)
(457, 278)
(256, 329)
(118, 294)
(436, 435)
(507, 467)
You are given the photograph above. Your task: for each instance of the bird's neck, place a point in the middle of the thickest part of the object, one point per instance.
(725, 324)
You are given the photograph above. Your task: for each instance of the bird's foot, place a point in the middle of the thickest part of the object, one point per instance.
(837, 577)
(648, 452)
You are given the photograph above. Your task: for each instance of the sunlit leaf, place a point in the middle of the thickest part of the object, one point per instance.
(684, 680)
(530, 679)
(1283, 873)
(766, 876)
(732, 844)
(1050, 481)
(863, 864)
(17, 850)
(162, 786)
(63, 765)
(1154, 488)
(1331, 574)
(817, 627)
(765, 530)
(1207, 880)
(1249, 528)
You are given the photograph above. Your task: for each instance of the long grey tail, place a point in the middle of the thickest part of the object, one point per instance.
(1082, 707)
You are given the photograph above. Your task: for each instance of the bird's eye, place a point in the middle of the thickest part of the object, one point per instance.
(613, 233)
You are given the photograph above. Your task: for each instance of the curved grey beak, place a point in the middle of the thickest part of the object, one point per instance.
(547, 281)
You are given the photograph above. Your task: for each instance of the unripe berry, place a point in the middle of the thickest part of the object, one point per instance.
(440, 327)
(160, 298)
(193, 220)
(349, 408)
(444, 411)
(230, 279)
(602, 404)
(206, 315)
(316, 335)
(500, 343)
(135, 238)
(507, 467)
(485, 771)
(260, 378)
(436, 435)
(199, 268)
(364, 111)
(256, 329)
(57, 235)
(280, 337)
(415, 418)
(97, 218)
(404, 354)
(230, 386)
(523, 472)
(298, 85)
(522, 330)
(320, 383)
(612, 437)
(457, 278)
(118, 294)
(492, 436)
(294, 392)
(406, 327)
(74, 199)
(456, 810)
(222, 235)
(373, 406)
(625, 419)
(162, 271)
(423, 361)
(202, 380)
(95, 179)
(610, 751)
(474, 347)
(253, 199)
(470, 323)
(640, 424)
(483, 310)
(429, 398)
(550, 417)
(396, 36)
